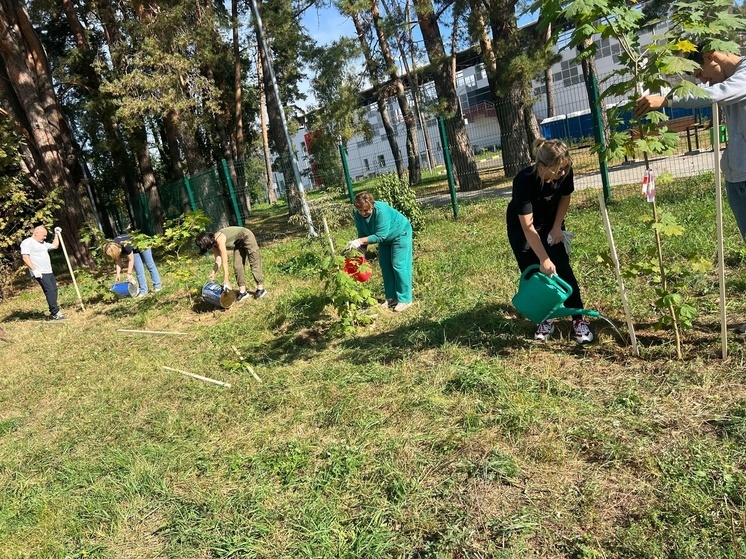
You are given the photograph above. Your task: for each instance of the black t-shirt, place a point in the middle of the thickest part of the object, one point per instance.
(531, 195)
(126, 243)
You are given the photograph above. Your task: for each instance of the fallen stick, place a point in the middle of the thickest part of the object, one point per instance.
(152, 332)
(246, 365)
(198, 377)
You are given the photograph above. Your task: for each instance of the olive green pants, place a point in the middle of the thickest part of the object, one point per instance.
(251, 253)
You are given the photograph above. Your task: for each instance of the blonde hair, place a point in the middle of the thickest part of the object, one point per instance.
(112, 250)
(551, 153)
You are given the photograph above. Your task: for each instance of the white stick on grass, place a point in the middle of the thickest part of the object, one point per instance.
(618, 273)
(198, 377)
(719, 208)
(246, 365)
(152, 332)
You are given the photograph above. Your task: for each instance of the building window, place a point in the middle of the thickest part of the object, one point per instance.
(367, 165)
(568, 74)
(381, 161)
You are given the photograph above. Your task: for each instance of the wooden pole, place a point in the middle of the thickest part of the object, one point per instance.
(719, 210)
(152, 332)
(198, 377)
(618, 273)
(58, 232)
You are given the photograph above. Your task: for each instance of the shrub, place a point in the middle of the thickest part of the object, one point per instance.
(398, 194)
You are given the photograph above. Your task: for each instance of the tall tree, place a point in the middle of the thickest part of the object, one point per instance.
(397, 86)
(373, 68)
(29, 99)
(460, 145)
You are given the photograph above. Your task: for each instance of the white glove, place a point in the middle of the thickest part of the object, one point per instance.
(58, 230)
(354, 244)
(36, 273)
(226, 287)
(567, 237)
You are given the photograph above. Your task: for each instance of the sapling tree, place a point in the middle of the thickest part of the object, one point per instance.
(654, 67)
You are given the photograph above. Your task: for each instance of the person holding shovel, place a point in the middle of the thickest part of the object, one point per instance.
(244, 246)
(35, 253)
(536, 225)
(137, 258)
(377, 222)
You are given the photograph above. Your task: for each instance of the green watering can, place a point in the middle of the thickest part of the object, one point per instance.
(541, 296)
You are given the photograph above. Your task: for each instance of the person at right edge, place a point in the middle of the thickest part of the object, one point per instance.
(377, 222)
(724, 79)
(536, 225)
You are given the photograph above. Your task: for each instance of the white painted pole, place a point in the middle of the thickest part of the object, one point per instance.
(198, 377)
(618, 273)
(58, 232)
(719, 210)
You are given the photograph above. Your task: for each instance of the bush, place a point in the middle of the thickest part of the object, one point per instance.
(398, 194)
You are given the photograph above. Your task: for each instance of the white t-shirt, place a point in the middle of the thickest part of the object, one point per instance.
(38, 253)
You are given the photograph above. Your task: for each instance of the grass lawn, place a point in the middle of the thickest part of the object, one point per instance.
(441, 432)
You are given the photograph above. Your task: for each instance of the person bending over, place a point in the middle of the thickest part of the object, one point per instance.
(244, 246)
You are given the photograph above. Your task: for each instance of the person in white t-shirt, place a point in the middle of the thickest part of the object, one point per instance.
(35, 254)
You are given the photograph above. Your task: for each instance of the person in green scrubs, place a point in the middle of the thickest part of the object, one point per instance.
(377, 222)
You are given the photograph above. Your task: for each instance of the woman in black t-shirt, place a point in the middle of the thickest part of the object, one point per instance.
(536, 224)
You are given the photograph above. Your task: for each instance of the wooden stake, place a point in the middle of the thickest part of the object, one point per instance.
(198, 377)
(58, 231)
(719, 209)
(618, 273)
(246, 365)
(152, 332)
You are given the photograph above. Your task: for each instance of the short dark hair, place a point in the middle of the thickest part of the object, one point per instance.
(205, 241)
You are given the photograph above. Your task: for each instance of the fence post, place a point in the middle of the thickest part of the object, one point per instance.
(346, 167)
(598, 135)
(188, 187)
(227, 176)
(449, 165)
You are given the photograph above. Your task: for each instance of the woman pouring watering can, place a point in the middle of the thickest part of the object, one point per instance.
(536, 225)
(377, 222)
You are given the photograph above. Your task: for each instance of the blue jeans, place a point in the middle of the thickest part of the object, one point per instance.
(736, 192)
(146, 257)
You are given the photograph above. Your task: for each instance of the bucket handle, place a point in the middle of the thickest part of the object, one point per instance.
(535, 269)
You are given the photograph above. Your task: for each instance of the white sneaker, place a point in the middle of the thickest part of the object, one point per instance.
(545, 330)
(389, 303)
(583, 334)
(400, 307)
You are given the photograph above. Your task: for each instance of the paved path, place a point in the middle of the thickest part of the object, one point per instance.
(681, 165)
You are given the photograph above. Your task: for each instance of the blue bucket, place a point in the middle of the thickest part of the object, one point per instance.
(213, 293)
(124, 289)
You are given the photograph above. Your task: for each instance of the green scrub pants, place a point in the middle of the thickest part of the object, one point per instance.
(395, 259)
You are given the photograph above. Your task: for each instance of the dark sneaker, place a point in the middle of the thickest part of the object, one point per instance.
(242, 296)
(583, 334)
(389, 303)
(545, 330)
(741, 329)
(259, 293)
(58, 316)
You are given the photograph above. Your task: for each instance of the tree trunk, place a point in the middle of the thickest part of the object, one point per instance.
(549, 79)
(265, 138)
(238, 144)
(413, 160)
(461, 149)
(35, 105)
(147, 176)
(371, 67)
(589, 69)
(276, 134)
